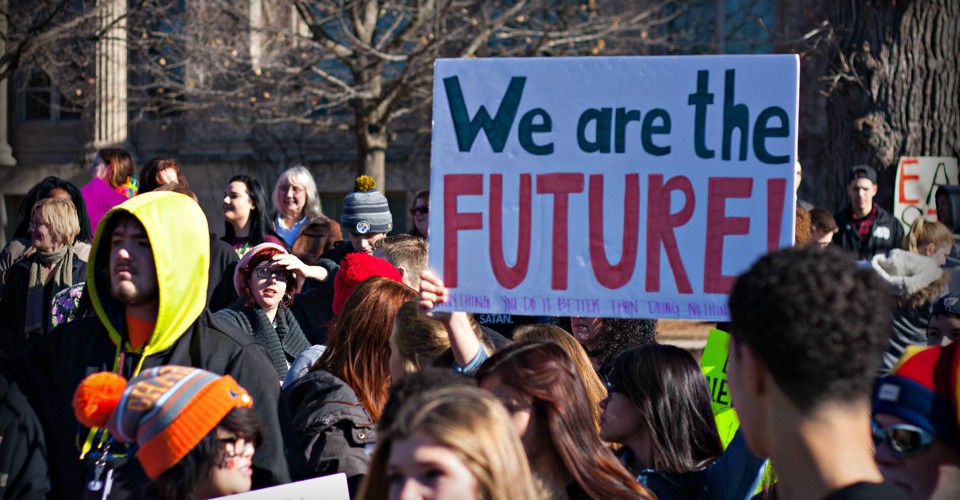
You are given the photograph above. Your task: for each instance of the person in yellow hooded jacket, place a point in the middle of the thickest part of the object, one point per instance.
(147, 282)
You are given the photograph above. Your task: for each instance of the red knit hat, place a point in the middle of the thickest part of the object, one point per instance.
(923, 390)
(355, 269)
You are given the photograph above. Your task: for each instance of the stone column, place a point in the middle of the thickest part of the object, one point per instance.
(111, 112)
(6, 152)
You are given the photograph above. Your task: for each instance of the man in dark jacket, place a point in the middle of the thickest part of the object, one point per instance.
(147, 281)
(865, 228)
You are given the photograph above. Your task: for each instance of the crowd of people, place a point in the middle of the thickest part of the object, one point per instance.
(145, 357)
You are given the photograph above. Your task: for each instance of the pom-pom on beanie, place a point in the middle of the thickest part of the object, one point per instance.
(166, 410)
(355, 269)
(923, 390)
(365, 210)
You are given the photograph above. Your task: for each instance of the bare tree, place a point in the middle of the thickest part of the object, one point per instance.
(268, 69)
(894, 86)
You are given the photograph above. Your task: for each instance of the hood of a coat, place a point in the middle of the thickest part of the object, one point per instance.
(180, 241)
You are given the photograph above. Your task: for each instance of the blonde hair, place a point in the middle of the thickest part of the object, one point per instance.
(422, 341)
(408, 252)
(594, 387)
(473, 425)
(923, 232)
(61, 216)
(299, 176)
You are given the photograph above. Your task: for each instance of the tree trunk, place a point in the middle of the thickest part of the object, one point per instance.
(896, 90)
(372, 142)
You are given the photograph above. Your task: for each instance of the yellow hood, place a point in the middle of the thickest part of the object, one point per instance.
(180, 240)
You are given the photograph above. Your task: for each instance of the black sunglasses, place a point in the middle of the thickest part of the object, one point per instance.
(904, 439)
(420, 210)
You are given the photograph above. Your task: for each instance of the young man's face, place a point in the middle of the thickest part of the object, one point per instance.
(133, 274)
(943, 329)
(861, 193)
(933, 472)
(365, 242)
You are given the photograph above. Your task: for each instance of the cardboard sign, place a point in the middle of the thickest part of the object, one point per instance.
(610, 187)
(100, 198)
(915, 192)
(332, 487)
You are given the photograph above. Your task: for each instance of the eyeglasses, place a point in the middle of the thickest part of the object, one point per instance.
(420, 210)
(277, 274)
(904, 439)
(35, 225)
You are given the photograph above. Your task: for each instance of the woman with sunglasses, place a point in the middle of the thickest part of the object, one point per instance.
(420, 211)
(266, 279)
(541, 388)
(658, 408)
(915, 428)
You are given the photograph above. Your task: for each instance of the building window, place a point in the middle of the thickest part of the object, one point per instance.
(43, 101)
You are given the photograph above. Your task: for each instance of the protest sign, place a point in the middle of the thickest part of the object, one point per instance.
(915, 191)
(610, 187)
(333, 487)
(713, 362)
(99, 198)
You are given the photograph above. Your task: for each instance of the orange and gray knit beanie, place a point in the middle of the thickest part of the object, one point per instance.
(165, 410)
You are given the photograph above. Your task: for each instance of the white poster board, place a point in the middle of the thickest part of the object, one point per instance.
(333, 487)
(915, 192)
(609, 186)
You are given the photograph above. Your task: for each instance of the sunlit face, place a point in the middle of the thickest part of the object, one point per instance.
(931, 473)
(421, 215)
(237, 204)
(293, 197)
(586, 330)
(167, 176)
(520, 407)
(267, 285)
(861, 193)
(235, 473)
(365, 242)
(622, 422)
(41, 235)
(943, 329)
(421, 468)
(820, 239)
(133, 273)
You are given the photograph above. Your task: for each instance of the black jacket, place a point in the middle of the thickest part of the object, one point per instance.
(885, 235)
(52, 371)
(330, 426)
(13, 305)
(23, 460)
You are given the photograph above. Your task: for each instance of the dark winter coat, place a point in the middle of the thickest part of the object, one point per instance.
(13, 305)
(23, 461)
(885, 235)
(332, 429)
(283, 343)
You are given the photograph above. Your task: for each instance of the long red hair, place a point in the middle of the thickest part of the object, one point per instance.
(358, 342)
(545, 372)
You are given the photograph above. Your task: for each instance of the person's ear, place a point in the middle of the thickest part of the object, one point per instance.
(403, 272)
(928, 249)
